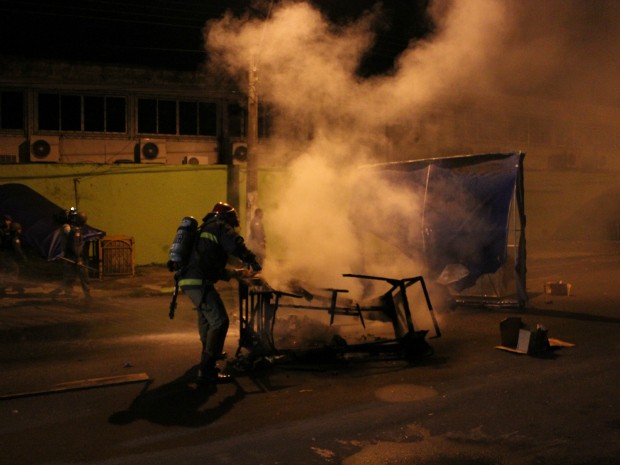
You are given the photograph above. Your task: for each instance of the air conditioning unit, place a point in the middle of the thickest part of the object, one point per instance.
(152, 151)
(45, 149)
(239, 153)
(200, 160)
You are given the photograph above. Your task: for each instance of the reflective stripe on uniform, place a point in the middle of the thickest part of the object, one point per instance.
(190, 282)
(210, 236)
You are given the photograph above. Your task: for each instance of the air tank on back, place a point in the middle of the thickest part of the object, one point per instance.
(183, 241)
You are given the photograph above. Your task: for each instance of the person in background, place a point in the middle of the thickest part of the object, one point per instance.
(218, 240)
(11, 254)
(256, 239)
(72, 254)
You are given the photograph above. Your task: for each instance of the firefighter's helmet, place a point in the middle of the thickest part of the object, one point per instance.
(72, 216)
(227, 213)
(75, 217)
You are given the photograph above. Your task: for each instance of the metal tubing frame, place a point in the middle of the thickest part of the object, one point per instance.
(256, 321)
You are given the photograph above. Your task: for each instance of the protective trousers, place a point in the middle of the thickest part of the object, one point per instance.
(71, 273)
(213, 324)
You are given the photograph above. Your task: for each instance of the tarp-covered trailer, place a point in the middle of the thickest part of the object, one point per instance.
(38, 218)
(468, 225)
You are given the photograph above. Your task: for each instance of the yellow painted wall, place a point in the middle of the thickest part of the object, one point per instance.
(145, 201)
(565, 205)
(148, 201)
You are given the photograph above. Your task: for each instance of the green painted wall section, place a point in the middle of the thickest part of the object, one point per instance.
(572, 205)
(146, 202)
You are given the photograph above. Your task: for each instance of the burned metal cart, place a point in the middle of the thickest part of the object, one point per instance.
(259, 304)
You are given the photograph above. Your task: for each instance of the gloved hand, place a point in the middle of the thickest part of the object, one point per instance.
(255, 266)
(171, 266)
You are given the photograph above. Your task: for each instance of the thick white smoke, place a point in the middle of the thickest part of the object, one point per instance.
(330, 118)
(329, 121)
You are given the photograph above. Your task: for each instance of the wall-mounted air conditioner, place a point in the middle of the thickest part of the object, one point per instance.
(11, 149)
(239, 153)
(151, 151)
(44, 149)
(200, 159)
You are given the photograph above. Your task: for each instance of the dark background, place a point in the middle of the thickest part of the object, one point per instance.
(168, 34)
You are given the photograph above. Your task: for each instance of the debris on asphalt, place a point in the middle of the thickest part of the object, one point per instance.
(517, 337)
(558, 288)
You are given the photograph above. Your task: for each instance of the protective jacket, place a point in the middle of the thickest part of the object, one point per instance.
(72, 242)
(217, 241)
(10, 241)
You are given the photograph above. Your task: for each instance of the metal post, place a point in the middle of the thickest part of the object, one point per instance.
(252, 139)
(76, 181)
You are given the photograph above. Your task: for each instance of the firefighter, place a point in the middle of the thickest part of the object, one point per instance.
(218, 240)
(11, 252)
(72, 250)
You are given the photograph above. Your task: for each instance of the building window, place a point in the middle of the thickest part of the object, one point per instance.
(147, 116)
(115, 114)
(48, 115)
(11, 110)
(171, 117)
(197, 118)
(77, 113)
(94, 114)
(236, 120)
(188, 118)
(265, 121)
(207, 119)
(70, 113)
(167, 117)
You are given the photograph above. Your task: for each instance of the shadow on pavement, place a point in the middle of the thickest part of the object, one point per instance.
(179, 402)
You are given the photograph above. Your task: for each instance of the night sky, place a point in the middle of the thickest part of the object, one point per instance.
(167, 34)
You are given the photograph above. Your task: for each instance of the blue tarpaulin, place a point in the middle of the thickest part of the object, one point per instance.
(36, 214)
(461, 215)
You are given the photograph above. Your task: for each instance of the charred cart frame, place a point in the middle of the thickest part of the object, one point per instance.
(259, 304)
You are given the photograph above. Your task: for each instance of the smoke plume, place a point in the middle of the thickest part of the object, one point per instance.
(515, 56)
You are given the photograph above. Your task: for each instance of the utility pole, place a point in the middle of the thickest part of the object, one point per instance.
(252, 139)
(76, 181)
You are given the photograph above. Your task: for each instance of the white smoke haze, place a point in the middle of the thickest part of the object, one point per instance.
(451, 63)
(565, 48)
(306, 66)
(312, 225)
(483, 54)
(554, 48)
(306, 70)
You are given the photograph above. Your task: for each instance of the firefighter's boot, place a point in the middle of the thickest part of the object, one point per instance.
(208, 373)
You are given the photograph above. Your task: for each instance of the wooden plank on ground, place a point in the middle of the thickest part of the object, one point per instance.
(84, 384)
(553, 344)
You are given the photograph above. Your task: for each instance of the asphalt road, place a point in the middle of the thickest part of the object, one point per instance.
(469, 403)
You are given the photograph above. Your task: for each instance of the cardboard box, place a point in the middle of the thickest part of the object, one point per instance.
(523, 343)
(558, 288)
(519, 338)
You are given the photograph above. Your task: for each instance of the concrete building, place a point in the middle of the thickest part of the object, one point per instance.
(62, 112)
